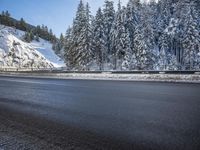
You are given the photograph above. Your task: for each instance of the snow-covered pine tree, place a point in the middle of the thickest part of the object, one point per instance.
(164, 14)
(31, 35)
(81, 37)
(68, 49)
(164, 49)
(141, 49)
(99, 40)
(22, 25)
(154, 19)
(191, 37)
(147, 29)
(115, 37)
(172, 63)
(189, 33)
(120, 46)
(87, 53)
(129, 58)
(166, 59)
(108, 15)
(37, 38)
(61, 41)
(133, 11)
(197, 3)
(58, 45)
(27, 37)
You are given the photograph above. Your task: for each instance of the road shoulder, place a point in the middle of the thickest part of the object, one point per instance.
(176, 78)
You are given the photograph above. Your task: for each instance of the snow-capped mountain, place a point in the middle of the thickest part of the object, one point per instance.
(14, 52)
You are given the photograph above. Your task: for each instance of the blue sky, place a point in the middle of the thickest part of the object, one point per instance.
(56, 14)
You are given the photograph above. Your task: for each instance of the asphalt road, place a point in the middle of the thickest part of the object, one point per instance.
(38, 113)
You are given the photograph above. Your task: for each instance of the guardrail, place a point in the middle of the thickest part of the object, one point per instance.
(155, 72)
(13, 69)
(62, 70)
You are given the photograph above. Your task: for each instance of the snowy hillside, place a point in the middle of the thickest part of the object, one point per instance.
(16, 53)
(45, 48)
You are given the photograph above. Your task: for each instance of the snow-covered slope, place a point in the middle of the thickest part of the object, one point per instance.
(45, 48)
(16, 53)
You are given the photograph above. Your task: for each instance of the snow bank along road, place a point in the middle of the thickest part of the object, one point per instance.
(87, 114)
(182, 78)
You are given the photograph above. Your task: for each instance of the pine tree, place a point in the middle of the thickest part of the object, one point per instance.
(3, 13)
(5, 19)
(164, 14)
(109, 15)
(2, 17)
(99, 40)
(129, 58)
(37, 38)
(189, 31)
(81, 49)
(68, 48)
(27, 37)
(120, 40)
(172, 63)
(116, 35)
(191, 38)
(7, 14)
(31, 35)
(22, 25)
(141, 48)
(88, 51)
(164, 49)
(133, 12)
(61, 41)
(148, 53)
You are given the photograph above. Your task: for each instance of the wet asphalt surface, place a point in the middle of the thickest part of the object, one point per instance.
(38, 113)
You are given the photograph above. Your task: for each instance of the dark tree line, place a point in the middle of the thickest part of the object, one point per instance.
(163, 35)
